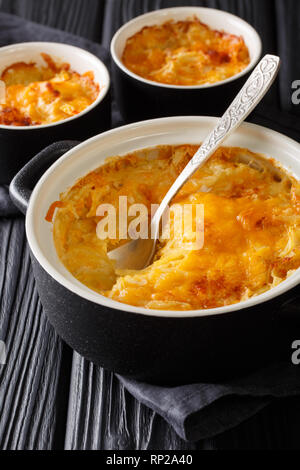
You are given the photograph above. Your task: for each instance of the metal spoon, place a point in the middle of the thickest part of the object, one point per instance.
(139, 253)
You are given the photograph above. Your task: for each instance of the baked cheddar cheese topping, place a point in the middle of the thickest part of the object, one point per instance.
(251, 228)
(185, 53)
(43, 95)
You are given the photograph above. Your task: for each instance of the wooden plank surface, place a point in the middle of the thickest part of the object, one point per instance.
(32, 409)
(82, 17)
(49, 400)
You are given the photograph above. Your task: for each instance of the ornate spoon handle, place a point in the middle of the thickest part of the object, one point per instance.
(250, 95)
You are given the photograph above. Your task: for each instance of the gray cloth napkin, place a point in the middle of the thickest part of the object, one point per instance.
(203, 410)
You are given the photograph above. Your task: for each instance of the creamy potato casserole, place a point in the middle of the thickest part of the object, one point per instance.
(251, 228)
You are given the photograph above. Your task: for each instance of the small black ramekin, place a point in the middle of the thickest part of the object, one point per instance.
(139, 98)
(19, 143)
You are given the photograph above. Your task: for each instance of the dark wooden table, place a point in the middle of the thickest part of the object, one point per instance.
(50, 397)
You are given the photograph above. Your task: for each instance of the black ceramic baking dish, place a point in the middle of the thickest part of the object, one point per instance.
(139, 98)
(154, 345)
(19, 143)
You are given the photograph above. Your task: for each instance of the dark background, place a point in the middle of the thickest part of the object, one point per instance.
(49, 396)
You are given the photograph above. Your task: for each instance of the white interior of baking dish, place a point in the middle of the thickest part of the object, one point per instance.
(93, 152)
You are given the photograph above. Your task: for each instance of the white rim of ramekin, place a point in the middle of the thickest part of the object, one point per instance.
(249, 67)
(101, 300)
(103, 92)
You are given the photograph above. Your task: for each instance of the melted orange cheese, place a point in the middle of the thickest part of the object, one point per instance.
(42, 95)
(251, 228)
(185, 53)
